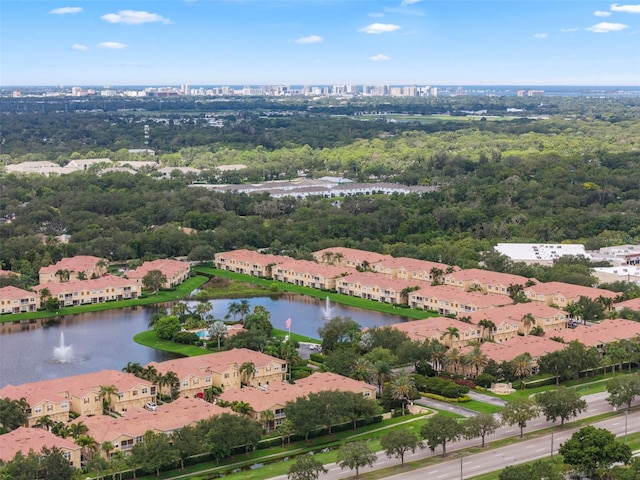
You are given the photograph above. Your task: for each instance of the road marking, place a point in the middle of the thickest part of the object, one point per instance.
(541, 450)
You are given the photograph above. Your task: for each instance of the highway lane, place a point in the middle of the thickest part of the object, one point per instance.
(495, 459)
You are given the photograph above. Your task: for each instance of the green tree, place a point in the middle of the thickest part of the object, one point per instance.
(519, 412)
(363, 370)
(12, 414)
(555, 363)
(563, 403)
(355, 455)
(154, 452)
(522, 365)
(187, 442)
(247, 372)
(476, 359)
(440, 430)
(227, 432)
(21, 467)
(623, 390)
(528, 471)
(306, 467)
(338, 330)
(218, 330)
(153, 280)
(167, 327)
(54, 465)
(592, 451)
(107, 392)
(397, 443)
(480, 425)
(403, 388)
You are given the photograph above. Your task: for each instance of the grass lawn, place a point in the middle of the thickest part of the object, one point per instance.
(278, 333)
(149, 339)
(181, 291)
(312, 292)
(480, 407)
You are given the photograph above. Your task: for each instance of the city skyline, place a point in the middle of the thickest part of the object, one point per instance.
(236, 42)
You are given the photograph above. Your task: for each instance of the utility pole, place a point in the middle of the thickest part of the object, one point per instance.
(551, 445)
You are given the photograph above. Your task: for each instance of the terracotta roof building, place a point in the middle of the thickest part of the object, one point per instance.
(175, 271)
(598, 335)
(350, 257)
(543, 316)
(372, 286)
(24, 439)
(483, 280)
(563, 294)
(248, 262)
(437, 328)
(81, 267)
(99, 290)
(449, 300)
(309, 274)
(16, 300)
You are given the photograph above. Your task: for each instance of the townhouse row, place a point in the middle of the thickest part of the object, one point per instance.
(405, 280)
(83, 280)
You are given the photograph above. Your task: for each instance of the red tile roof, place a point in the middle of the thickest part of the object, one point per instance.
(251, 256)
(80, 263)
(601, 333)
(450, 293)
(515, 312)
(434, 328)
(14, 293)
(487, 277)
(312, 268)
(633, 304)
(353, 255)
(381, 281)
(569, 290)
(167, 266)
(24, 439)
(107, 281)
(510, 349)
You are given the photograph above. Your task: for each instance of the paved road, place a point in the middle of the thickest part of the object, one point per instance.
(495, 459)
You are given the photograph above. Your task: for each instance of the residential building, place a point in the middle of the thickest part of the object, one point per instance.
(16, 300)
(562, 294)
(275, 396)
(42, 402)
(248, 262)
(175, 271)
(600, 334)
(484, 280)
(223, 370)
(81, 267)
(309, 274)
(82, 392)
(24, 439)
(514, 347)
(524, 316)
(372, 286)
(442, 330)
(350, 258)
(431, 272)
(633, 304)
(449, 300)
(125, 431)
(99, 290)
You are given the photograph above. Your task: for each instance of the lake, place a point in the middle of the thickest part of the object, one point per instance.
(104, 340)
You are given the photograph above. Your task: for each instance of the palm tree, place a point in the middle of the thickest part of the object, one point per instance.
(45, 422)
(179, 310)
(438, 355)
(218, 330)
(451, 332)
(247, 372)
(486, 324)
(522, 365)
(267, 417)
(241, 407)
(77, 429)
(362, 370)
(63, 275)
(233, 309)
(45, 293)
(134, 368)
(171, 380)
(527, 321)
(88, 446)
(382, 372)
(202, 308)
(82, 276)
(436, 275)
(476, 359)
(107, 448)
(211, 393)
(454, 358)
(61, 430)
(515, 290)
(285, 430)
(149, 373)
(402, 387)
(243, 309)
(106, 394)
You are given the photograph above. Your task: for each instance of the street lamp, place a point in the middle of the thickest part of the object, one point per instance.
(626, 415)
(551, 445)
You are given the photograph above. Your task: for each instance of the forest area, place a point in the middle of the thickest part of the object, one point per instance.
(570, 176)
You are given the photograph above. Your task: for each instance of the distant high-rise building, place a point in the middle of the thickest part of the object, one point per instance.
(521, 93)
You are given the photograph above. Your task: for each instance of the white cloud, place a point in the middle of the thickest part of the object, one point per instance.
(309, 39)
(132, 17)
(600, 13)
(379, 57)
(626, 8)
(572, 29)
(540, 35)
(376, 28)
(404, 3)
(65, 10)
(606, 27)
(80, 47)
(112, 45)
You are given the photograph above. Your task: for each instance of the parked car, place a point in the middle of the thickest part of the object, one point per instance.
(151, 406)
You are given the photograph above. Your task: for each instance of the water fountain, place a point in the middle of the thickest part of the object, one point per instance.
(63, 353)
(327, 309)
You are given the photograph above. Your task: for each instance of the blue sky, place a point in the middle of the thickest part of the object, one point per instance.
(236, 42)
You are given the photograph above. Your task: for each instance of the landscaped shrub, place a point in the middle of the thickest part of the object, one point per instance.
(485, 380)
(435, 396)
(186, 338)
(464, 382)
(444, 387)
(425, 368)
(317, 357)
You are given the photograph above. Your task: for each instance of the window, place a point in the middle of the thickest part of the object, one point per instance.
(135, 393)
(367, 393)
(207, 379)
(145, 391)
(64, 405)
(185, 383)
(226, 375)
(37, 410)
(138, 439)
(49, 408)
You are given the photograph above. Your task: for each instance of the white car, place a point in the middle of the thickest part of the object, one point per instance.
(151, 406)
